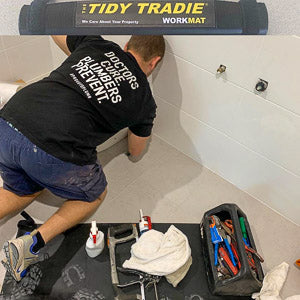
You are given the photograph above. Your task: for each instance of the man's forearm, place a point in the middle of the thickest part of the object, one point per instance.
(136, 144)
(61, 42)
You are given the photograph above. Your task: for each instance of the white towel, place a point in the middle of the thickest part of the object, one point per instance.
(159, 254)
(273, 283)
(7, 90)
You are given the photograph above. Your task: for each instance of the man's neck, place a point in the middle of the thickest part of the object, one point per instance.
(139, 60)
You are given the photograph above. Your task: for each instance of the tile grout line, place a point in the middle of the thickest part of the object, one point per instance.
(127, 185)
(9, 64)
(37, 37)
(229, 137)
(246, 192)
(237, 85)
(32, 80)
(148, 170)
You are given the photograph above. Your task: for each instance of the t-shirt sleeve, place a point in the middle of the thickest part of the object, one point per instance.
(144, 128)
(73, 41)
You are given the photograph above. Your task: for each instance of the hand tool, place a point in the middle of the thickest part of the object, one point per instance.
(233, 248)
(228, 227)
(113, 241)
(250, 252)
(226, 266)
(223, 235)
(254, 252)
(251, 261)
(145, 278)
(215, 236)
(244, 231)
(221, 268)
(226, 260)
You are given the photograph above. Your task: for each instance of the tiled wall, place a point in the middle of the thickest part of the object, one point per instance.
(32, 57)
(24, 57)
(251, 140)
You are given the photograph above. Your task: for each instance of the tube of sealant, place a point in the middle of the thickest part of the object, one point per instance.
(145, 223)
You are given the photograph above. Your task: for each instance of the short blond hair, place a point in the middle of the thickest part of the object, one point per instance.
(147, 46)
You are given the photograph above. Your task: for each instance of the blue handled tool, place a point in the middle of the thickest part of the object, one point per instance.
(224, 237)
(215, 236)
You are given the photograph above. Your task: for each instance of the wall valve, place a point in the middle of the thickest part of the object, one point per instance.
(221, 69)
(262, 85)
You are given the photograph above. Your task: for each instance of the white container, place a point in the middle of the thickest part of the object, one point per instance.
(7, 90)
(144, 225)
(95, 243)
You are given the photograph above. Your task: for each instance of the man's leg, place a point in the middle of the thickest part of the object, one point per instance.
(69, 215)
(23, 251)
(11, 203)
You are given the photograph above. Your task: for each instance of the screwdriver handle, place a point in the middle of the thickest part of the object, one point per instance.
(216, 253)
(230, 252)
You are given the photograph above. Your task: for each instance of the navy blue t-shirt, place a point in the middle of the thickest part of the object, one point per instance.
(97, 91)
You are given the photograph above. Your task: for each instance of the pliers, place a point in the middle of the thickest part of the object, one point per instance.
(224, 237)
(215, 236)
(254, 252)
(144, 278)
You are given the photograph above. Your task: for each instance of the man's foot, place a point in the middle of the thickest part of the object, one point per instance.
(19, 255)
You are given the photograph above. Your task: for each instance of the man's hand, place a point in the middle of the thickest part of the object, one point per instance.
(136, 144)
(61, 42)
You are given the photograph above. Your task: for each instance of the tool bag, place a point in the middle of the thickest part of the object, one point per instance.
(88, 17)
(244, 282)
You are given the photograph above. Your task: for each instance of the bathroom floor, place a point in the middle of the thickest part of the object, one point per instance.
(172, 188)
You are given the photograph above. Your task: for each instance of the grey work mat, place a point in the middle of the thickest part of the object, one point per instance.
(68, 273)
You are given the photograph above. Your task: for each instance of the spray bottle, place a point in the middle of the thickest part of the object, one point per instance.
(145, 223)
(95, 243)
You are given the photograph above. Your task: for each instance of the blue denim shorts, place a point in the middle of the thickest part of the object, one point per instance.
(27, 169)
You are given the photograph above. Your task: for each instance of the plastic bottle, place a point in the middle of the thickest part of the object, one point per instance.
(145, 223)
(95, 243)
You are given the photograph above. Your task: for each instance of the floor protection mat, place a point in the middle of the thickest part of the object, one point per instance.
(65, 271)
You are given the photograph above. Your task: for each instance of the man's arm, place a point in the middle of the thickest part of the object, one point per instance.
(136, 144)
(61, 42)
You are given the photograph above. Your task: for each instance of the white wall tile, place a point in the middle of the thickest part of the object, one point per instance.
(244, 168)
(1, 43)
(247, 59)
(121, 40)
(5, 72)
(13, 41)
(237, 53)
(278, 62)
(249, 119)
(31, 59)
(57, 55)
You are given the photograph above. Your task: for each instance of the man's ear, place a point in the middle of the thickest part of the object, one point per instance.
(154, 61)
(126, 47)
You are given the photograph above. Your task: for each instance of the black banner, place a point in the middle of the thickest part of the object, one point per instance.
(146, 13)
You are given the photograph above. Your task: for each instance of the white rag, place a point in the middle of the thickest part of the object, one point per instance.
(159, 254)
(7, 90)
(273, 283)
